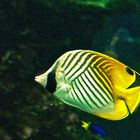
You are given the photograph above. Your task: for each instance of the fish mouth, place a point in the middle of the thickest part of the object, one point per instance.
(37, 79)
(41, 80)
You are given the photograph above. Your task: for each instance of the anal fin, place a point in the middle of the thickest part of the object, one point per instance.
(120, 111)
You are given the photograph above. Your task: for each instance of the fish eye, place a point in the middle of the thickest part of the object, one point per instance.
(129, 71)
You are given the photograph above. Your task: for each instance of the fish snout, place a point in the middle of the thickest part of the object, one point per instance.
(41, 79)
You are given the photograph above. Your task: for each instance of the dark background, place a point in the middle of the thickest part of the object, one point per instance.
(33, 34)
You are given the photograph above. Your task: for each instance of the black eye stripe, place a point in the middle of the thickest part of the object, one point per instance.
(51, 82)
(128, 70)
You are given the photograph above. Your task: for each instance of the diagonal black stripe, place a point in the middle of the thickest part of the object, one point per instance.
(75, 92)
(89, 65)
(105, 63)
(104, 85)
(80, 57)
(91, 84)
(97, 68)
(82, 94)
(73, 57)
(84, 62)
(66, 60)
(98, 86)
(73, 95)
(90, 96)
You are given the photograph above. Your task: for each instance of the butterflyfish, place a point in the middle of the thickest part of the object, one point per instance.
(93, 82)
(93, 128)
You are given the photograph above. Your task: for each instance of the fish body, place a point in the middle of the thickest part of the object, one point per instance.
(95, 129)
(94, 83)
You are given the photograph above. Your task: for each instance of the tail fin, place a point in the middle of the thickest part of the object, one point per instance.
(125, 102)
(132, 98)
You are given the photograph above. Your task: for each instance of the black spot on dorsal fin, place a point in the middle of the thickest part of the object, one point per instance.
(129, 71)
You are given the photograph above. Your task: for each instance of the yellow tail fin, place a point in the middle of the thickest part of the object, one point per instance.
(132, 98)
(125, 102)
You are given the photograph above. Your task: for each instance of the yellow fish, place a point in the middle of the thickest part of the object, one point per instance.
(94, 83)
